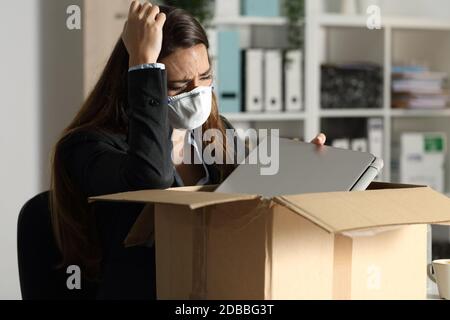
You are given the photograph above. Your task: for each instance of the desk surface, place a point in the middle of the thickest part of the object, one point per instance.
(434, 297)
(433, 293)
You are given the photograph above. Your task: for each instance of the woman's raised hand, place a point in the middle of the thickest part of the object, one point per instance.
(320, 139)
(142, 34)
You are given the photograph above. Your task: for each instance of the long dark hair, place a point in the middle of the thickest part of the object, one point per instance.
(105, 109)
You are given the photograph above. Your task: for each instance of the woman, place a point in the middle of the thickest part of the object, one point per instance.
(122, 140)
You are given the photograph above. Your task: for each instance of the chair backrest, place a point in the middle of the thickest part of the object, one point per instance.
(39, 257)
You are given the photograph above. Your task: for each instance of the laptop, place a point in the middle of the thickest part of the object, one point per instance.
(303, 168)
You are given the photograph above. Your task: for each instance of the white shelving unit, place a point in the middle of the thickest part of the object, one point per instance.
(339, 20)
(279, 116)
(350, 113)
(399, 113)
(397, 38)
(338, 38)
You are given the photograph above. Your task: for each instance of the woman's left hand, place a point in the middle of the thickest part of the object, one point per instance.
(320, 139)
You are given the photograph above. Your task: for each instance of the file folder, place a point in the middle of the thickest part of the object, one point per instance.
(261, 8)
(229, 69)
(293, 80)
(253, 76)
(273, 81)
(375, 134)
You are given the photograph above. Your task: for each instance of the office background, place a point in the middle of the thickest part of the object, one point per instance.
(44, 78)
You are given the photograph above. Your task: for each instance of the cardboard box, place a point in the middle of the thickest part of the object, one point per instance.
(342, 245)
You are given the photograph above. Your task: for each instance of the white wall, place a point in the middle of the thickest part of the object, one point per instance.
(40, 89)
(19, 127)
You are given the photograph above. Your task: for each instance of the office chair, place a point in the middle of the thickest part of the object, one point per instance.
(38, 257)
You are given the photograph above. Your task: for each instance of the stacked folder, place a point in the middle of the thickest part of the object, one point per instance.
(229, 69)
(272, 81)
(255, 80)
(260, 8)
(418, 88)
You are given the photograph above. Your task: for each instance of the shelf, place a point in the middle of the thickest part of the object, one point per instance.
(351, 113)
(356, 113)
(249, 21)
(417, 23)
(280, 116)
(412, 113)
(339, 20)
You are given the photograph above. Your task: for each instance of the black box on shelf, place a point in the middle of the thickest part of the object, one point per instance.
(351, 86)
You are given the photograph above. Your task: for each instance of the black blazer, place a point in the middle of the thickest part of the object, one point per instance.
(104, 163)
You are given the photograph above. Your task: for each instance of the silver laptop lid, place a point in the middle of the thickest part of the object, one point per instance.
(303, 168)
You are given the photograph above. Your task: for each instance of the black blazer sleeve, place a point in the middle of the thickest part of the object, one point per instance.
(98, 167)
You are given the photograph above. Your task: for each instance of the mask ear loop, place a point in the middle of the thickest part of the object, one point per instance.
(197, 91)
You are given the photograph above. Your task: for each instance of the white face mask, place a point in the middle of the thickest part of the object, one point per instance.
(190, 110)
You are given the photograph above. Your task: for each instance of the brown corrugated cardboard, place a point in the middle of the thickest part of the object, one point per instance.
(187, 197)
(222, 246)
(381, 208)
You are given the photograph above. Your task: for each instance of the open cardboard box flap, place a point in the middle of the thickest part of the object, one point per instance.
(339, 212)
(185, 196)
(382, 205)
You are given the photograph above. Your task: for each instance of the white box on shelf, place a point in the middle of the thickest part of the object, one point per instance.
(273, 79)
(422, 159)
(227, 8)
(254, 66)
(341, 143)
(359, 145)
(375, 134)
(294, 80)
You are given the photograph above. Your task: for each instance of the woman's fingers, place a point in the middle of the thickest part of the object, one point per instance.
(142, 36)
(135, 6)
(320, 139)
(152, 13)
(161, 19)
(144, 10)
